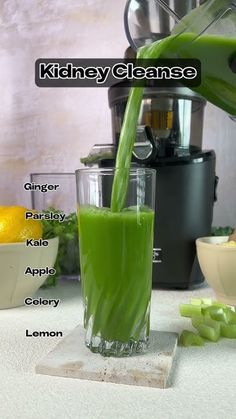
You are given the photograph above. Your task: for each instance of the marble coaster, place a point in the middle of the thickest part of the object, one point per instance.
(70, 358)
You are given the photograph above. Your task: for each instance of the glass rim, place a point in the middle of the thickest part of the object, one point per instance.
(52, 174)
(112, 170)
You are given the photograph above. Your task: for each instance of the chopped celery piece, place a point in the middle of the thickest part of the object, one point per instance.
(204, 308)
(207, 328)
(219, 304)
(232, 317)
(212, 319)
(188, 338)
(217, 313)
(190, 310)
(206, 315)
(196, 320)
(214, 324)
(228, 331)
(230, 314)
(206, 301)
(196, 301)
(208, 332)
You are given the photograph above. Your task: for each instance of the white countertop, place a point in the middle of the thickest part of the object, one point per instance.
(203, 380)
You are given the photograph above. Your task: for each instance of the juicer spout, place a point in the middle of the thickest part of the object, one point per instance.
(146, 146)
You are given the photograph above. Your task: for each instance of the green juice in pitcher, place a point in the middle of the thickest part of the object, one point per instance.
(216, 54)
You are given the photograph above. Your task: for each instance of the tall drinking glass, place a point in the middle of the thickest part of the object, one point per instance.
(116, 251)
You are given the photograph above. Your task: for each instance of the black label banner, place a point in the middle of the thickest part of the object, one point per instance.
(73, 72)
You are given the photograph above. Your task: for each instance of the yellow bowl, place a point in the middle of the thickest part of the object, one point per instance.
(15, 258)
(218, 265)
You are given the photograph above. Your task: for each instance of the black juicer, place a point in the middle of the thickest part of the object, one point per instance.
(169, 139)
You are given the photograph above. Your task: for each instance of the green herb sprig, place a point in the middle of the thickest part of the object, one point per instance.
(67, 262)
(222, 231)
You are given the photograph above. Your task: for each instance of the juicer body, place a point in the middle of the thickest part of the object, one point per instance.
(185, 195)
(186, 179)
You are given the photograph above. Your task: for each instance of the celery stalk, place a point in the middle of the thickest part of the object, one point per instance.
(232, 317)
(214, 324)
(217, 303)
(228, 331)
(217, 313)
(196, 301)
(208, 332)
(188, 338)
(196, 320)
(212, 319)
(204, 308)
(206, 301)
(190, 310)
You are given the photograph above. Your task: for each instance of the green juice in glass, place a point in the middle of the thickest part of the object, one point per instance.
(116, 267)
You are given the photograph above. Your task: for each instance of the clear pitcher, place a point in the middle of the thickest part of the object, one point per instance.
(208, 33)
(216, 17)
(147, 21)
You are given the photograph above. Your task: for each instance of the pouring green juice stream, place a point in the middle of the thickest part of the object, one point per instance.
(117, 296)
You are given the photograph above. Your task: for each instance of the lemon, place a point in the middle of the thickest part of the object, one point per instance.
(230, 244)
(15, 228)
